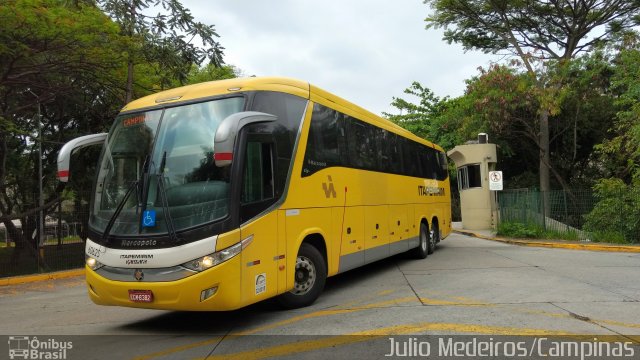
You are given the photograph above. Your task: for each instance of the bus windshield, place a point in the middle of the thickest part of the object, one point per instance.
(162, 161)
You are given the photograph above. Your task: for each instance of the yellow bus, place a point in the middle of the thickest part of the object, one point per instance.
(218, 195)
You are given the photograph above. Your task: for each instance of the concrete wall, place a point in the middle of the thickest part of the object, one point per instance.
(477, 205)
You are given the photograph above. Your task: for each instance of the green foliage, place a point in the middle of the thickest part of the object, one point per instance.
(519, 230)
(616, 215)
(167, 42)
(545, 29)
(544, 36)
(62, 61)
(533, 231)
(620, 155)
(210, 72)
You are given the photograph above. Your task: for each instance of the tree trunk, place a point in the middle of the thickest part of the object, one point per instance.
(21, 242)
(129, 90)
(545, 163)
(544, 151)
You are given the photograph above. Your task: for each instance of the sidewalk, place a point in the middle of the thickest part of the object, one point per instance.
(559, 244)
(16, 280)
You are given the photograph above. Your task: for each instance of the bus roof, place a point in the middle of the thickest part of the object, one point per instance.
(280, 84)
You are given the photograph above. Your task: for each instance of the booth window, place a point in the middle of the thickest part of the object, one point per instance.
(469, 177)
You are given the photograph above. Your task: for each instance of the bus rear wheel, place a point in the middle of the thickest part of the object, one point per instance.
(309, 279)
(424, 244)
(434, 238)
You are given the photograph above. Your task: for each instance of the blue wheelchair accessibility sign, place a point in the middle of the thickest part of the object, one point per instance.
(149, 218)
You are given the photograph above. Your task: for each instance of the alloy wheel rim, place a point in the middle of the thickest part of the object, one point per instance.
(305, 276)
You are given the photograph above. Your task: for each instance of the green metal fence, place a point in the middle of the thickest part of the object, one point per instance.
(61, 247)
(587, 215)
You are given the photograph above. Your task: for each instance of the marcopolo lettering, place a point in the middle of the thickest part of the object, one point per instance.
(130, 243)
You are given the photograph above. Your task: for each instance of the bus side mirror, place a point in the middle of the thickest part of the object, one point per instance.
(225, 138)
(64, 156)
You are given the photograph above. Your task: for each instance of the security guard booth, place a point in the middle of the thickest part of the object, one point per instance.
(478, 204)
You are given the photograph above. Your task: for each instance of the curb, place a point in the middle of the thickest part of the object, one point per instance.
(556, 245)
(16, 280)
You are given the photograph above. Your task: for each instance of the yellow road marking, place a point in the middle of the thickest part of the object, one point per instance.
(571, 246)
(294, 319)
(394, 330)
(329, 312)
(568, 316)
(179, 349)
(366, 298)
(616, 323)
(361, 336)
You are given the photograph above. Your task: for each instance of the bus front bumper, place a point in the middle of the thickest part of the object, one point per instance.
(185, 294)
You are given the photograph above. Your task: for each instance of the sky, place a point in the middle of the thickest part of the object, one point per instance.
(366, 51)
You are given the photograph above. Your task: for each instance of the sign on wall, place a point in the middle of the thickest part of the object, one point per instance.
(495, 180)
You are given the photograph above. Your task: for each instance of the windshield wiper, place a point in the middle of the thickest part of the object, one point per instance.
(112, 220)
(165, 202)
(135, 185)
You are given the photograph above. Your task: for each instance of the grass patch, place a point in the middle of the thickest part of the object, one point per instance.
(520, 230)
(535, 231)
(612, 237)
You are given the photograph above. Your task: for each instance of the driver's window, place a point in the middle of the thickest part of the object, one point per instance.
(257, 185)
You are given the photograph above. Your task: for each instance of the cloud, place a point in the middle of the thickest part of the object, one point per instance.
(366, 51)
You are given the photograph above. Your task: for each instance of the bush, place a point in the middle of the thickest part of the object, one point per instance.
(519, 230)
(534, 231)
(616, 215)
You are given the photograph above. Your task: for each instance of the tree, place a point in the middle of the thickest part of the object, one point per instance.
(416, 117)
(501, 100)
(62, 62)
(620, 155)
(543, 35)
(166, 39)
(211, 72)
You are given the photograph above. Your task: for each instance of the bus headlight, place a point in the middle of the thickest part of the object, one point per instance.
(92, 263)
(211, 260)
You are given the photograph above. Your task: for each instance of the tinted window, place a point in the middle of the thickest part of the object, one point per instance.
(289, 109)
(443, 167)
(326, 142)
(336, 139)
(394, 152)
(258, 173)
(469, 177)
(362, 145)
(410, 158)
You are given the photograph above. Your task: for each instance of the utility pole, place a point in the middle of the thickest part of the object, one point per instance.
(40, 198)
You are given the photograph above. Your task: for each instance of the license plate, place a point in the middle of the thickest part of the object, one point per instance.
(143, 296)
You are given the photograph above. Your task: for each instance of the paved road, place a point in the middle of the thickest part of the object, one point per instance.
(469, 286)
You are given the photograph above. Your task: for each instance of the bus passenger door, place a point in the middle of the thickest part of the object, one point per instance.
(259, 258)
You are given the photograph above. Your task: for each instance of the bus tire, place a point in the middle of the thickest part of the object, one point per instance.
(434, 237)
(422, 250)
(310, 277)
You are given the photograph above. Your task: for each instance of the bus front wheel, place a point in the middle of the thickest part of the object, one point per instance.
(309, 278)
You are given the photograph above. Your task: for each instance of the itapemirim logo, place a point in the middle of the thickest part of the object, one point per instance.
(31, 348)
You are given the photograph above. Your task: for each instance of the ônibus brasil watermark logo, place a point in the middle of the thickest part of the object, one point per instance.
(27, 347)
